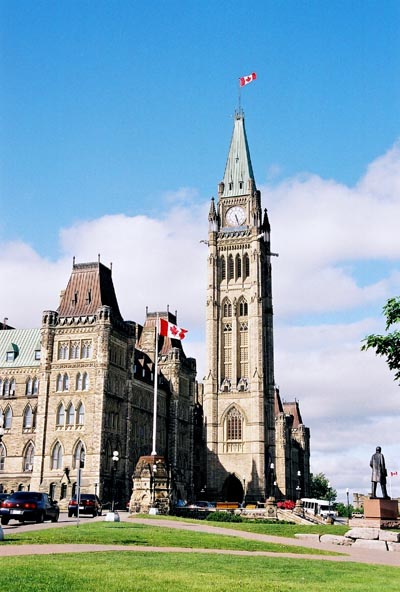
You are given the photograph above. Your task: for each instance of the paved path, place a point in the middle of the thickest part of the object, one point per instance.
(349, 553)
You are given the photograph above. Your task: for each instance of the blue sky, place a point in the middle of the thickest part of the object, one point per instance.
(115, 122)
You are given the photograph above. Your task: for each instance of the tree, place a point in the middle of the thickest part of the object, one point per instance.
(388, 345)
(320, 488)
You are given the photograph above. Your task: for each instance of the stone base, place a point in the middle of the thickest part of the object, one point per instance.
(381, 509)
(112, 517)
(373, 523)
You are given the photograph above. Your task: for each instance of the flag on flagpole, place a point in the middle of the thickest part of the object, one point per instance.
(393, 473)
(168, 329)
(247, 79)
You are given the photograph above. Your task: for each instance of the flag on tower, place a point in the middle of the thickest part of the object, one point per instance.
(247, 79)
(168, 329)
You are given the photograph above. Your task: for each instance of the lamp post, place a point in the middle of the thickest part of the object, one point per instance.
(298, 488)
(348, 505)
(153, 470)
(115, 459)
(244, 492)
(272, 478)
(329, 498)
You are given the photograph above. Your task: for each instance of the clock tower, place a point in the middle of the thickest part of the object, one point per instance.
(239, 382)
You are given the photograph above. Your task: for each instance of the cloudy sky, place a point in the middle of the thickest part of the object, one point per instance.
(115, 123)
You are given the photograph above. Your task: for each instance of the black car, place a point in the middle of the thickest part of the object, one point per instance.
(26, 506)
(88, 504)
(3, 496)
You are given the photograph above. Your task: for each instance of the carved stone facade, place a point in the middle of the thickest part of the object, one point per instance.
(82, 386)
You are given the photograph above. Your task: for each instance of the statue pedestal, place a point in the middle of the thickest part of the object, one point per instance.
(381, 509)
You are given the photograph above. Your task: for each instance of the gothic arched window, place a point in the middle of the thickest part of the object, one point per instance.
(85, 381)
(223, 268)
(60, 417)
(243, 308)
(8, 418)
(80, 414)
(244, 350)
(234, 425)
(59, 383)
(227, 308)
(227, 350)
(231, 268)
(238, 263)
(79, 456)
(28, 417)
(29, 387)
(65, 384)
(70, 414)
(79, 381)
(57, 456)
(29, 457)
(35, 386)
(246, 266)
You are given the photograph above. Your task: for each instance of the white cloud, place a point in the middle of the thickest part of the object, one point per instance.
(321, 229)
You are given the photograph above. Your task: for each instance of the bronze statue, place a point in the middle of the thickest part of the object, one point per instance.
(379, 473)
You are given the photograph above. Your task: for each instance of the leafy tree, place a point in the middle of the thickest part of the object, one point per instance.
(320, 488)
(343, 510)
(388, 345)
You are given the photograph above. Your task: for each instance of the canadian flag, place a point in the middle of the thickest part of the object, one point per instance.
(393, 473)
(247, 79)
(167, 329)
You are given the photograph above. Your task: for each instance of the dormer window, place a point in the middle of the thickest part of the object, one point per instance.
(12, 352)
(37, 354)
(89, 297)
(230, 186)
(240, 184)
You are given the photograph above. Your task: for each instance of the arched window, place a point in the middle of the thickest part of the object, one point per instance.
(79, 381)
(234, 425)
(12, 387)
(246, 266)
(28, 417)
(34, 415)
(29, 387)
(8, 418)
(65, 386)
(223, 268)
(227, 308)
(85, 381)
(243, 308)
(2, 456)
(57, 456)
(70, 414)
(63, 351)
(29, 457)
(6, 390)
(35, 387)
(227, 350)
(244, 350)
(79, 456)
(231, 268)
(75, 350)
(80, 413)
(63, 494)
(59, 385)
(87, 349)
(60, 418)
(238, 263)
(1, 387)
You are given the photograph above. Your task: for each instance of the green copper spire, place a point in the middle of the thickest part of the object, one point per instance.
(238, 177)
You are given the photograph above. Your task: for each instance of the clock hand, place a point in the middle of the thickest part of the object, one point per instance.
(237, 220)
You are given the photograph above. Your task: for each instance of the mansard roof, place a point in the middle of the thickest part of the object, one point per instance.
(238, 170)
(293, 409)
(23, 343)
(89, 288)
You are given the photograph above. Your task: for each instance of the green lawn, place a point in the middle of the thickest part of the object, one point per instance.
(177, 572)
(133, 533)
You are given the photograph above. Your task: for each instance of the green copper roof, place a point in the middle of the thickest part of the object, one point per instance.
(238, 170)
(22, 343)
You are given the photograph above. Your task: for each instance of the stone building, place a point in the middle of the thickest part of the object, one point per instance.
(239, 386)
(82, 386)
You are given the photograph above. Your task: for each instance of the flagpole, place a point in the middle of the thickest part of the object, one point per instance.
(390, 484)
(153, 452)
(239, 96)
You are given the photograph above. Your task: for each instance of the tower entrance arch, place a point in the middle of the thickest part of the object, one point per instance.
(232, 490)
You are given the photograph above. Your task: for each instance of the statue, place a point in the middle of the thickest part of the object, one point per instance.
(379, 473)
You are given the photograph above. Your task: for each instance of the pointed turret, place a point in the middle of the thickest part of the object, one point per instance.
(239, 176)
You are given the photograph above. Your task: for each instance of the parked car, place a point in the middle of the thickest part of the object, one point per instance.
(26, 506)
(89, 503)
(3, 496)
(201, 505)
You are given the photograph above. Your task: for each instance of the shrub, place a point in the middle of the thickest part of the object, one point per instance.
(286, 505)
(224, 517)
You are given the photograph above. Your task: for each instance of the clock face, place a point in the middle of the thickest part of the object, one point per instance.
(236, 216)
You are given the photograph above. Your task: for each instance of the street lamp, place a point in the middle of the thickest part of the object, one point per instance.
(244, 492)
(348, 505)
(154, 482)
(329, 498)
(272, 475)
(115, 459)
(298, 488)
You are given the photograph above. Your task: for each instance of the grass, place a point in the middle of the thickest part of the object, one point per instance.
(131, 533)
(175, 572)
